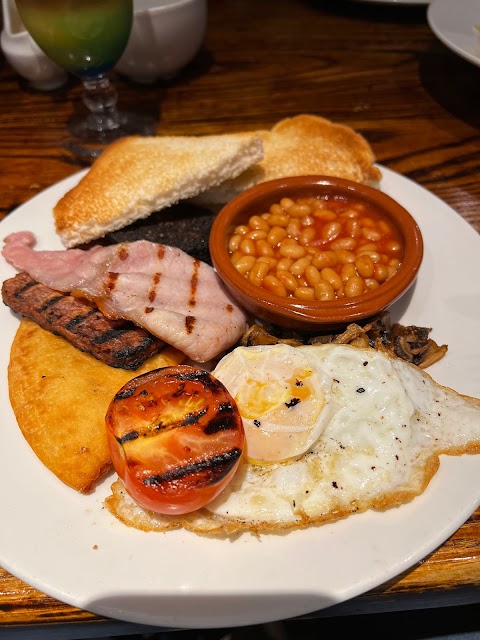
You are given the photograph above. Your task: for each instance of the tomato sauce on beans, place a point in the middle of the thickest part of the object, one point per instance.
(317, 248)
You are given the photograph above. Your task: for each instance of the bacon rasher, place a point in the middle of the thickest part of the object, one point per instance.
(160, 288)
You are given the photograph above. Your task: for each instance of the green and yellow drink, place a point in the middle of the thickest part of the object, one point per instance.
(85, 37)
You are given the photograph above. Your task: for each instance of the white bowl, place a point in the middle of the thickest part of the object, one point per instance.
(24, 55)
(165, 36)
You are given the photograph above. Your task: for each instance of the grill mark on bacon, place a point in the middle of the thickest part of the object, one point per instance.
(110, 281)
(152, 294)
(213, 468)
(189, 319)
(189, 323)
(118, 343)
(194, 284)
(123, 252)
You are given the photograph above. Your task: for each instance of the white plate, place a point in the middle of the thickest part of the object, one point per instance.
(453, 23)
(69, 547)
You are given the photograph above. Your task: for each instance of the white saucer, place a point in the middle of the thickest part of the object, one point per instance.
(454, 24)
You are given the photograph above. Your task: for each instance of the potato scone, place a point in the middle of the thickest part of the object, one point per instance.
(60, 396)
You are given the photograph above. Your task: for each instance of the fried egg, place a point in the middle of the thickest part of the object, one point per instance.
(366, 434)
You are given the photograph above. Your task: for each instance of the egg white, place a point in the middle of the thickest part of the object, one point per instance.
(378, 448)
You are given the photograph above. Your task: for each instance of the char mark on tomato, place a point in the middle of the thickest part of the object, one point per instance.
(187, 376)
(208, 382)
(180, 391)
(191, 376)
(224, 421)
(193, 418)
(213, 469)
(131, 435)
(123, 395)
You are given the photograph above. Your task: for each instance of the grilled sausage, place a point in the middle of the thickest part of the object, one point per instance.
(118, 343)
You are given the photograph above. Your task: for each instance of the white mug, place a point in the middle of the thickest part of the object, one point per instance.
(165, 36)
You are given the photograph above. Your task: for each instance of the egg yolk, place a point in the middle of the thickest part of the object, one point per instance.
(281, 417)
(285, 399)
(260, 397)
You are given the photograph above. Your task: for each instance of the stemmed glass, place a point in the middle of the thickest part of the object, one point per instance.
(86, 38)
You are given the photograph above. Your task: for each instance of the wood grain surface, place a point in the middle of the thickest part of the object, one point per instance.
(377, 68)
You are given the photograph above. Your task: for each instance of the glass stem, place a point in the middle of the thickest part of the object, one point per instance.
(100, 97)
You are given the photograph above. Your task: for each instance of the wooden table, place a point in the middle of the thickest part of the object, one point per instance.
(377, 68)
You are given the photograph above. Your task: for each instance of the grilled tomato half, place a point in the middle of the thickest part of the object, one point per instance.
(176, 438)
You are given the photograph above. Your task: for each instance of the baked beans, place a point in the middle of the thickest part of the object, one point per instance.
(322, 248)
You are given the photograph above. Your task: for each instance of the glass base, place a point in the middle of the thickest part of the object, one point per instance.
(93, 133)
